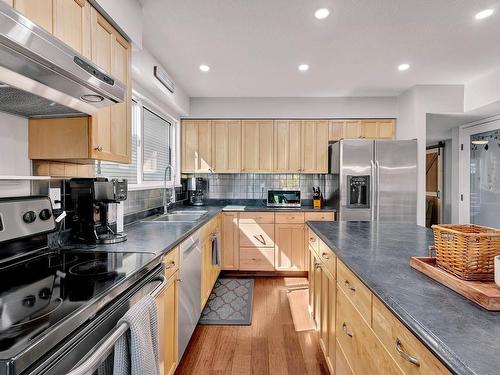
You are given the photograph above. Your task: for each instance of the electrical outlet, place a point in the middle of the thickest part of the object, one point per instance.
(55, 196)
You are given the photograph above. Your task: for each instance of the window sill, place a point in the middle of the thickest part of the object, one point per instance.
(149, 186)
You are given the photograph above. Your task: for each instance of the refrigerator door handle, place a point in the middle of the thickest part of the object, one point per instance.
(377, 168)
(372, 190)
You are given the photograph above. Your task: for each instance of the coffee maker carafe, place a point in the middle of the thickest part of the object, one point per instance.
(92, 200)
(196, 187)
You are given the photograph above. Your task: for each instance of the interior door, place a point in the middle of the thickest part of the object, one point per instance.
(396, 181)
(433, 183)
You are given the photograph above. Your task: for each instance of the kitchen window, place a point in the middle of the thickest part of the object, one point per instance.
(153, 142)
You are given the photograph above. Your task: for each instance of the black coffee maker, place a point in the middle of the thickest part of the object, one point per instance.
(91, 199)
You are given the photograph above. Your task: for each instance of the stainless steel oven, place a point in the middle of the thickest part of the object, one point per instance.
(283, 198)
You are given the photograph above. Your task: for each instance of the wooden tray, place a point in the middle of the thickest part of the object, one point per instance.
(484, 293)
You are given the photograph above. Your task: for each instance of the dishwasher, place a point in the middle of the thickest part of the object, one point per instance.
(189, 289)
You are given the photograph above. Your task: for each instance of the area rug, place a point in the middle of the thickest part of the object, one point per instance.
(230, 303)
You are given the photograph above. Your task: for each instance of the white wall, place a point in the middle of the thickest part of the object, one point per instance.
(414, 105)
(14, 151)
(482, 91)
(293, 107)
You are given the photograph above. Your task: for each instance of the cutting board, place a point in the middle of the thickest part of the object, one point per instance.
(484, 293)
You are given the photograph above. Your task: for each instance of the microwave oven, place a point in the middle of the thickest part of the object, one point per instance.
(283, 198)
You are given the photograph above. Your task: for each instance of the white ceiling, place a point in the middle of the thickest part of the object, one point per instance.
(255, 46)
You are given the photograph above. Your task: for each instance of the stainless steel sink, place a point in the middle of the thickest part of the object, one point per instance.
(177, 217)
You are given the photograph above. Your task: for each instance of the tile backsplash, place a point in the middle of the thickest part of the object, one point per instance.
(255, 186)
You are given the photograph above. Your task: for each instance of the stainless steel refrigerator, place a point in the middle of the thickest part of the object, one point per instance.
(377, 180)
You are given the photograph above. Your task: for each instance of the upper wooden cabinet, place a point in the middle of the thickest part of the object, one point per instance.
(370, 129)
(257, 146)
(287, 146)
(226, 146)
(315, 146)
(196, 146)
(106, 135)
(38, 11)
(72, 24)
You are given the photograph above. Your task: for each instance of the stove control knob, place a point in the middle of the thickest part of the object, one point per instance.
(29, 217)
(29, 301)
(45, 214)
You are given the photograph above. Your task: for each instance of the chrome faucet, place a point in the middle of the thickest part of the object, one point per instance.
(166, 204)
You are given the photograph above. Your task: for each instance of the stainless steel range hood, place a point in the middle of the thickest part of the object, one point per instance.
(40, 76)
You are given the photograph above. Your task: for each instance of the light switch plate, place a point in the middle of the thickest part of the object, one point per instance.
(55, 195)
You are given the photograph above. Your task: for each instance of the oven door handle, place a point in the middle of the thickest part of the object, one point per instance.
(104, 348)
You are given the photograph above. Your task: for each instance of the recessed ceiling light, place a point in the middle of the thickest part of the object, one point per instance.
(403, 67)
(322, 13)
(303, 67)
(484, 14)
(204, 68)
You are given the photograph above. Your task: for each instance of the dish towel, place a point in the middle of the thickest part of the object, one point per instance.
(216, 250)
(136, 352)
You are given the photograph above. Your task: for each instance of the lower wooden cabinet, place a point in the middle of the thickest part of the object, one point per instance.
(167, 302)
(209, 271)
(289, 254)
(230, 241)
(327, 321)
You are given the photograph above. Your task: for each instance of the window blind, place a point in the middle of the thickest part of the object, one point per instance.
(128, 171)
(157, 148)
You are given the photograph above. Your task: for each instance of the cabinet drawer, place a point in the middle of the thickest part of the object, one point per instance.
(313, 241)
(328, 258)
(362, 349)
(289, 217)
(358, 293)
(320, 216)
(408, 352)
(171, 261)
(342, 367)
(256, 235)
(256, 259)
(256, 217)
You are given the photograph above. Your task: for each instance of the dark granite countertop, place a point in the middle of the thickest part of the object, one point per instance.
(464, 336)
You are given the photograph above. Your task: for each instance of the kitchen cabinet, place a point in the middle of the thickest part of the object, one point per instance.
(287, 146)
(72, 24)
(167, 308)
(320, 216)
(378, 129)
(209, 271)
(230, 241)
(316, 292)
(38, 11)
(356, 291)
(314, 149)
(344, 129)
(256, 239)
(290, 254)
(9, 2)
(196, 146)
(257, 146)
(369, 128)
(226, 146)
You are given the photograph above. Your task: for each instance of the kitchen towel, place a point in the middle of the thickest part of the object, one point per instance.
(216, 250)
(136, 352)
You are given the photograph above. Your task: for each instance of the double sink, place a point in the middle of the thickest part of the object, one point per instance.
(184, 216)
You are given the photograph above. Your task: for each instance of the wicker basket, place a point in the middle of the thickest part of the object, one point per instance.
(467, 251)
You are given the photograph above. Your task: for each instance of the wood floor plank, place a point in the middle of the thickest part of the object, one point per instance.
(269, 346)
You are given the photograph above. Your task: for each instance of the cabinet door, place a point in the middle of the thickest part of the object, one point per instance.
(310, 277)
(196, 146)
(290, 254)
(315, 146)
(230, 241)
(9, 2)
(336, 131)
(38, 11)
(378, 129)
(352, 129)
(317, 291)
(327, 331)
(387, 129)
(226, 146)
(287, 144)
(167, 307)
(72, 24)
(257, 146)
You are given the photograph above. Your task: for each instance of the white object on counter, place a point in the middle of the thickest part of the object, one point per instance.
(234, 208)
(119, 217)
(497, 270)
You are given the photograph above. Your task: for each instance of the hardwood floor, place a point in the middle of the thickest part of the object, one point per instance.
(269, 346)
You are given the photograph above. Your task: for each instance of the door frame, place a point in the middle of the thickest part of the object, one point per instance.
(439, 193)
(465, 132)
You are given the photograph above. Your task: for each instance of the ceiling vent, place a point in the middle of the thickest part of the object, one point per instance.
(164, 78)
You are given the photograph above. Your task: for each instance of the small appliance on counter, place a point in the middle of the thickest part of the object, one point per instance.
(94, 202)
(283, 198)
(196, 187)
(318, 201)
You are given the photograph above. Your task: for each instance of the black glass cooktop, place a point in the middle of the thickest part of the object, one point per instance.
(38, 293)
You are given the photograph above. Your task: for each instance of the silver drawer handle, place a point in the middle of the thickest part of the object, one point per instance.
(98, 148)
(262, 240)
(406, 356)
(349, 286)
(170, 265)
(346, 331)
(325, 255)
(312, 239)
(317, 265)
